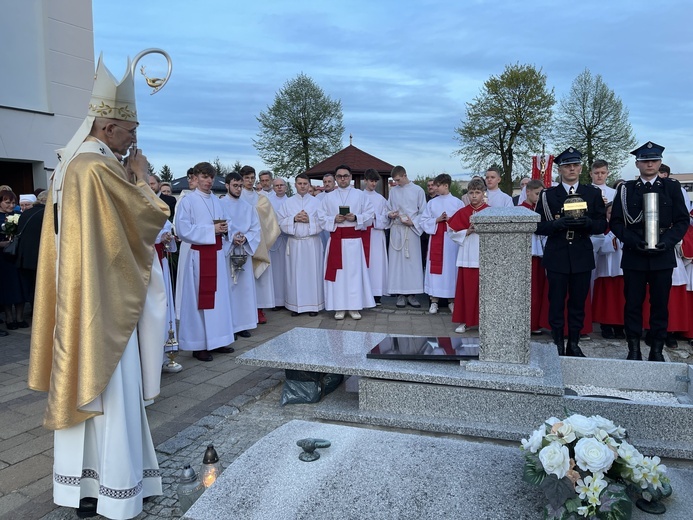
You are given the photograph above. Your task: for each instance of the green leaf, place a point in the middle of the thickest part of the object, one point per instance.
(615, 503)
(557, 491)
(533, 472)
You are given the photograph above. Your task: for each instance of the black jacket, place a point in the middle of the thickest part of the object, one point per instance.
(171, 202)
(29, 226)
(561, 253)
(673, 221)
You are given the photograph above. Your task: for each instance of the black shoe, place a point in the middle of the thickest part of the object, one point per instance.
(202, 355)
(608, 332)
(313, 314)
(223, 350)
(634, 349)
(648, 338)
(12, 325)
(656, 350)
(244, 334)
(279, 308)
(559, 341)
(3, 333)
(294, 313)
(87, 508)
(669, 342)
(619, 333)
(573, 348)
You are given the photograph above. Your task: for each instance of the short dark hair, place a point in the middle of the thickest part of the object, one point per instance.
(534, 184)
(158, 179)
(663, 168)
(397, 171)
(233, 176)
(247, 170)
(302, 176)
(8, 195)
(476, 185)
(329, 174)
(204, 168)
(599, 163)
(371, 174)
(494, 169)
(443, 178)
(342, 167)
(190, 172)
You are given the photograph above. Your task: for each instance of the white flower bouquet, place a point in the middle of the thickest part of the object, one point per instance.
(587, 469)
(9, 227)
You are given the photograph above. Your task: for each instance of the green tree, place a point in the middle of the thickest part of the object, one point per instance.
(220, 168)
(301, 128)
(506, 121)
(236, 168)
(592, 118)
(166, 174)
(455, 189)
(150, 169)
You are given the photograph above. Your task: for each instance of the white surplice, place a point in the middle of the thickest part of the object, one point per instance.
(405, 271)
(264, 286)
(205, 329)
(499, 199)
(243, 219)
(351, 289)
(304, 255)
(377, 265)
(441, 285)
(168, 285)
(278, 256)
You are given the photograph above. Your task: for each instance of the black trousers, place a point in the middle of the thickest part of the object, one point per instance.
(634, 283)
(575, 287)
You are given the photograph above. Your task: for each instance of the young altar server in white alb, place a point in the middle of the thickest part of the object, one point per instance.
(264, 282)
(407, 201)
(278, 197)
(206, 322)
(244, 235)
(495, 197)
(346, 213)
(377, 263)
(98, 325)
(441, 268)
(298, 219)
(164, 245)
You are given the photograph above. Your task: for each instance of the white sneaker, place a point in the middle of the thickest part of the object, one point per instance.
(461, 329)
(339, 315)
(355, 315)
(433, 309)
(451, 306)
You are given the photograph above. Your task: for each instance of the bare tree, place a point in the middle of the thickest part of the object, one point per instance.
(506, 121)
(593, 119)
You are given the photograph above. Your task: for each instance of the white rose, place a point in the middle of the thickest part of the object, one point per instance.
(534, 442)
(592, 455)
(583, 426)
(555, 459)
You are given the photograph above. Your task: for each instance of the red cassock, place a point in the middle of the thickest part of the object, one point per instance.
(467, 289)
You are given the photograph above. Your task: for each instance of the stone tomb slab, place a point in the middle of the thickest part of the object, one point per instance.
(378, 474)
(344, 352)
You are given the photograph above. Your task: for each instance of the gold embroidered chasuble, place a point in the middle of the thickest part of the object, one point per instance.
(91, 295)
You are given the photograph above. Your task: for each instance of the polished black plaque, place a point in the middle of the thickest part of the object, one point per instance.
(426, 348)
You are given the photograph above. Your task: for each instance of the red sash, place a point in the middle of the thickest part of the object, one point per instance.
(687, 246)
(208, 273)
(435, 249)
(160, 252)
(367, 245)
(334, 255)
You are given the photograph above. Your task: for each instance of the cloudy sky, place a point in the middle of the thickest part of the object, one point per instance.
(403, 70)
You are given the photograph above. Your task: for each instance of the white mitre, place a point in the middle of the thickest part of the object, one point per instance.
(111, 99)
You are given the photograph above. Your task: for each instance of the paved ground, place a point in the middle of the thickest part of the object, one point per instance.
(193, 405)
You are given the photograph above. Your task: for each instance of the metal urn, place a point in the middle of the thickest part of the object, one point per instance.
(574, 206)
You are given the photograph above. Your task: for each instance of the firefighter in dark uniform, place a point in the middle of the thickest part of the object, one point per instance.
(568, 254)
(642, 266)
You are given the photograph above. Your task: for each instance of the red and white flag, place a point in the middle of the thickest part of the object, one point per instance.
(542, 166)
